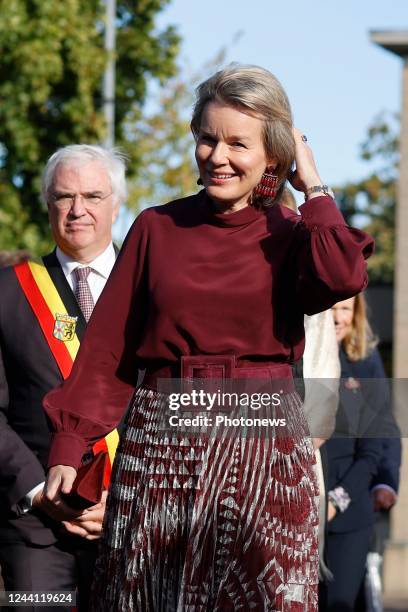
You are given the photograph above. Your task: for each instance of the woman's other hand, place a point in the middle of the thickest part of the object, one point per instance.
(331, 512)
(305, 174)
(89, 524)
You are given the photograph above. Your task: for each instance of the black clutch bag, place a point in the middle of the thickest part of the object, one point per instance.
(88, 485)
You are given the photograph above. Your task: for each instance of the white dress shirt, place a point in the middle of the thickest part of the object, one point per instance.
(101, 267)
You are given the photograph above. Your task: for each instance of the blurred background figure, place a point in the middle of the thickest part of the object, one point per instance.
(356, 456)
(321, 371)
(11, 258)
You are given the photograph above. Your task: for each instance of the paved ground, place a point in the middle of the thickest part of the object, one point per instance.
(391, 605)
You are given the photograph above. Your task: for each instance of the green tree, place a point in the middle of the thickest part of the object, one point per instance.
(372, 200)
(166, 148)
(51, 65)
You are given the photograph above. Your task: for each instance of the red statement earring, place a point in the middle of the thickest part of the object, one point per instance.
(267, 186)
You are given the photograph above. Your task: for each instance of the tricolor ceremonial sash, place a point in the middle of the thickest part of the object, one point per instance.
(60, 333)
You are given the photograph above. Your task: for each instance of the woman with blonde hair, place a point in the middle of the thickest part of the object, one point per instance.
(212, 286)
(353, 328)
(364, 428)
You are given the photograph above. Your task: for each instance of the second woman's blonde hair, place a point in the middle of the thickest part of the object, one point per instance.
(361, 340)
(258, 92)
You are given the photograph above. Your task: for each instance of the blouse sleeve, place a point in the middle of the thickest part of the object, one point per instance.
(91, 402)
(330, 258)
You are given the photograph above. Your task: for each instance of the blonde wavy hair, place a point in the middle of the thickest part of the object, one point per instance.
(361, 340)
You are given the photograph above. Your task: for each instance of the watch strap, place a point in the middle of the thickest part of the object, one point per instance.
(320, 189)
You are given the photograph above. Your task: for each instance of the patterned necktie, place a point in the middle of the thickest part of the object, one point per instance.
(82, 291)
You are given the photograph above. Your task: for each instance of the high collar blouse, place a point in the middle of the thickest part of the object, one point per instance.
(193, 281)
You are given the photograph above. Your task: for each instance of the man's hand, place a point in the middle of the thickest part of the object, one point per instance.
(383, 498)
(59, 480)
(89, 524)
(331, 511)
(59, 511)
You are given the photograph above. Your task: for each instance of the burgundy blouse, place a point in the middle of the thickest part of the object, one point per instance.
(192, 281)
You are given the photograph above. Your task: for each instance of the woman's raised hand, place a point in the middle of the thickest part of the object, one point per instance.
(305, 174)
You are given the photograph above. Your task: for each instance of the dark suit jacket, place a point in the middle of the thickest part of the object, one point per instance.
(28, 371)
(355, 451)
(389, 469)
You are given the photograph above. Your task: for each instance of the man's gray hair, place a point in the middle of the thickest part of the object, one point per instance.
(113, 160)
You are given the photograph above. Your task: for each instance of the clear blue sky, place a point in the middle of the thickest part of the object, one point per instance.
(336, 79)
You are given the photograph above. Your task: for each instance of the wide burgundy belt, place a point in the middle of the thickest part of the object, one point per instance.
(220, 367)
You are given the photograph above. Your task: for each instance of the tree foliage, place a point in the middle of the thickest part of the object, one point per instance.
(164, 139)
(51, 66)
(166, 148)
(373, 199)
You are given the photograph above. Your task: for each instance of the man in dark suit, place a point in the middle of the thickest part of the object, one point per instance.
(82, 187)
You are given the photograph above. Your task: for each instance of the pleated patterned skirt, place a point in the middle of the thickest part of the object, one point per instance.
(197, 523)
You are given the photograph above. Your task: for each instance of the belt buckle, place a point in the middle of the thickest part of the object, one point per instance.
(206, 367)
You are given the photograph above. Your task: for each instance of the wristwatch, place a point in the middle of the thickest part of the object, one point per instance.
(320, 189)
